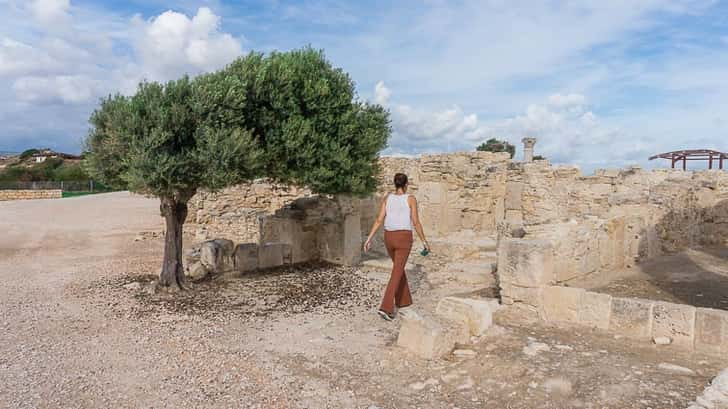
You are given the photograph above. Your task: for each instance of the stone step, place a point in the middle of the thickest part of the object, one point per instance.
(458, 248)
(472, 273)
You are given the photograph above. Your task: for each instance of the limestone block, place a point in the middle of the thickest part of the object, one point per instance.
(601, 189)
(196, 271)
(514, 196)
(500, 210)
(562, 304)
(454, 219)
(273, 255)
(595, 309)
(525, 263)
(430, 337)
(531, 296)
(433, 217)
(216, 255)
(711, 330)
(631, 317)
(352, 239)
(246, 257)
(514, 217)
(476, 314)
(675, 321)
(432, 193)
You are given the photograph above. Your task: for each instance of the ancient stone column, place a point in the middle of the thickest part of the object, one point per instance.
(528, 149)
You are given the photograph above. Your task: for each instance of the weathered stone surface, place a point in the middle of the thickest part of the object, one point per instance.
(514, 217)
(715, 395)
(676, 369)
(530, 296)
(476, 314)
(216, 255)
(525, 263)
(514, 193)
(246, 257)
(352, 239)
(674, 321)
(429, 337)
(30, 194)
(273, 254)
(595, 310)
(562, 304)
(631, 317)
(196, 271)
(711, 330)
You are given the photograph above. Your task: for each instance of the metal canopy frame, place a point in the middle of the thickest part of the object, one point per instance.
(693, 154)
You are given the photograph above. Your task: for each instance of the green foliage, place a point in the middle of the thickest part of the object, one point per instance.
(495, 145)
(52, 169)
(289, 116)
(539, 157)
(28, 153)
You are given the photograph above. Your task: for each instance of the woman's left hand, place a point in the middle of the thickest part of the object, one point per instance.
(367, 245)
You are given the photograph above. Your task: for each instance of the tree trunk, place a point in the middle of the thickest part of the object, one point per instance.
(174, 212)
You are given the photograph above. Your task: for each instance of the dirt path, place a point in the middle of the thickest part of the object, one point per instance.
(71, 334)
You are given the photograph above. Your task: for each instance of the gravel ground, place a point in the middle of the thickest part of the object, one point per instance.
(76, 332)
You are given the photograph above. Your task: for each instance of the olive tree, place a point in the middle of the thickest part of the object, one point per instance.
(289, 116)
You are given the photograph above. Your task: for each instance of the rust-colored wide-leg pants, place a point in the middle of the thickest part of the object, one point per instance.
(399, 244)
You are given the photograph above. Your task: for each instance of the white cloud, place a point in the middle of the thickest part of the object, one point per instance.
(17, 58)
(50, 13)
(57, 59)
(71, 89)
(381, 93)
(566, 128)
(172, 43)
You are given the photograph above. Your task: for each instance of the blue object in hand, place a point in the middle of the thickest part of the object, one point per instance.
(424, 251)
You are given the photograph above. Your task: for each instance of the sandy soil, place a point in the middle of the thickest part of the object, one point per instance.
(72, 335)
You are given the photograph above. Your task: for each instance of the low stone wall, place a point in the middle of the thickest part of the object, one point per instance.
(30, 194)
(700, 329)
(527, 276)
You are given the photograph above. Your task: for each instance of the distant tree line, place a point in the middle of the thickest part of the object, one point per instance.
(52, 169)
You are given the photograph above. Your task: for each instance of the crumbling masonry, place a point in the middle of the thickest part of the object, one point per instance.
(553, 227)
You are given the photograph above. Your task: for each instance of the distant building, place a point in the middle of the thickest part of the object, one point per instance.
(44, 154)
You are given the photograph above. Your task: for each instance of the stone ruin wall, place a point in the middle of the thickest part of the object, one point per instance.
(30, 194)
(616, 218)
(462, 191)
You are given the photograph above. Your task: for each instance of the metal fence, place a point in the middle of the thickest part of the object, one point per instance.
(69, 186)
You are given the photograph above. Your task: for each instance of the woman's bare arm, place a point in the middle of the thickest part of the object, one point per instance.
(416, 221)
(377, 223)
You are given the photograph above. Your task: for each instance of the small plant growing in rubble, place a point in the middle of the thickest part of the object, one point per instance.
(289, 116)
(494, 145)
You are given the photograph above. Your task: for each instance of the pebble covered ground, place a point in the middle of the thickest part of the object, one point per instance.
(77, 331)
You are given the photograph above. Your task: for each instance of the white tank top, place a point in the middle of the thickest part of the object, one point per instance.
(398, 213)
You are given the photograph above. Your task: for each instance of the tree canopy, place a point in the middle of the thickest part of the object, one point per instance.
(288, 116)
(495, 145)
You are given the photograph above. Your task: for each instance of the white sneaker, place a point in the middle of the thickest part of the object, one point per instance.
(385, 315)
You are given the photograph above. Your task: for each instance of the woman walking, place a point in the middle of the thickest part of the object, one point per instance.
(398, 213)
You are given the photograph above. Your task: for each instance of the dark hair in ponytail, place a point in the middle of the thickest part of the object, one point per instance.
(400, 180)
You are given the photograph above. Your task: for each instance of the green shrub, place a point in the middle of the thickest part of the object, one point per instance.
(28, 153)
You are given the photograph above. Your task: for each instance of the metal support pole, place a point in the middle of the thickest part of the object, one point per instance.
(685, 162)
(710, 161)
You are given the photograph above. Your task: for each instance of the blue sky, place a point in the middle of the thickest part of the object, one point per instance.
(600, 84)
